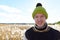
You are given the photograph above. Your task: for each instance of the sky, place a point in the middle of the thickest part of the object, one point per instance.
(20, 11)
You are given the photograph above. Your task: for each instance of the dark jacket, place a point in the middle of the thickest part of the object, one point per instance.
(52, 34)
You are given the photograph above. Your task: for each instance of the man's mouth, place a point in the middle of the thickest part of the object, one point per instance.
(40, 22)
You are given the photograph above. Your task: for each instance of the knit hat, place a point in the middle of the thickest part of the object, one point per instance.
(39, 9)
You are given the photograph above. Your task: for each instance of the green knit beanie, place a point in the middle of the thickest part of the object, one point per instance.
(39, 9)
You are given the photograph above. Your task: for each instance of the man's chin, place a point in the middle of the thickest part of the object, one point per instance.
(40, 25)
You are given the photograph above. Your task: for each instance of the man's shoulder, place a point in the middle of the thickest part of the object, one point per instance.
(55, 30)
(56, 33)
(29, 30)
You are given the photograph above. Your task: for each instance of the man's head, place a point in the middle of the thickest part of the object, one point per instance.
(39, 15)
(39, 10)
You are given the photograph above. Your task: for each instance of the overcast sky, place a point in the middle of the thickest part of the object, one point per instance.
(20, 11)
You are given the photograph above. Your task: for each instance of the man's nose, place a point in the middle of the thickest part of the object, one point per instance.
(39, 19)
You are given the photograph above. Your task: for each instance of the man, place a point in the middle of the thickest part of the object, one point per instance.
(41, 31)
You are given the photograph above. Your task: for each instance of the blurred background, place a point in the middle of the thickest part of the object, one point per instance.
(15, 31)
(16, 17)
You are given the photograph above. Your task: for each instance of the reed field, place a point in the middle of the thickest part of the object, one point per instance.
(16, 32)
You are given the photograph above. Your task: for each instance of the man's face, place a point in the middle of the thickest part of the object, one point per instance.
(40, 19)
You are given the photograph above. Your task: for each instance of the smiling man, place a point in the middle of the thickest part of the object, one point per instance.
(41, 31)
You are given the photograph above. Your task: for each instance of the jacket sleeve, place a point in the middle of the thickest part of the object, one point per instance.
(58, 36)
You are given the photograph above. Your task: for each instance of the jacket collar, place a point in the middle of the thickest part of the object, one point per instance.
(43, 29)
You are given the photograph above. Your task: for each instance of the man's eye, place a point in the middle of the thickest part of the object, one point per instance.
(36, 17)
